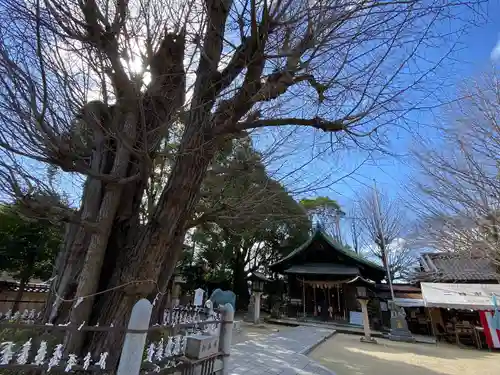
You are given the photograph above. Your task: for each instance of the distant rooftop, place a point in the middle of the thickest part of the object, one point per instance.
(449, 266)
(7, 282)
(6, 278)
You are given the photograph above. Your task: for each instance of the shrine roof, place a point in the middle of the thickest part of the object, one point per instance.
(322, 269)
(292, 259)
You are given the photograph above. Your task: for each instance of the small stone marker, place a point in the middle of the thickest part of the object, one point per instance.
(201, 346)
(133, 347)
(198, 297)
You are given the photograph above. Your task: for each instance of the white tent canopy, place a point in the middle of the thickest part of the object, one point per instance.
(460, 296)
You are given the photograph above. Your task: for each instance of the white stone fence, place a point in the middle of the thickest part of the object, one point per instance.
(195, 344)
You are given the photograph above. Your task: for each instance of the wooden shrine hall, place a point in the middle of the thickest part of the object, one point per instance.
(325, 276)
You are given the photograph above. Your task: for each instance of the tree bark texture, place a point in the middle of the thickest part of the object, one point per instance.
(19, 295)
(94, 258)
(240, 286)
(127, 254)
(139, 267)
(25, 276)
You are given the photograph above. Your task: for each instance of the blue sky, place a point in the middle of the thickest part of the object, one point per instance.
(393, 173)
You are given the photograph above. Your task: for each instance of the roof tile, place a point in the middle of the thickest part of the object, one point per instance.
(452, 266)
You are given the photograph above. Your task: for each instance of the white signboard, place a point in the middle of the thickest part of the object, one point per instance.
(409, 302)
(198, 297)
(459, 296)
(356, 318)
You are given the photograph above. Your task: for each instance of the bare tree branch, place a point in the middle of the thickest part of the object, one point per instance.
(384, 235)
(457, 189)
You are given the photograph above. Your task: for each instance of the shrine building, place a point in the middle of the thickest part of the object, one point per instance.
(323, 278)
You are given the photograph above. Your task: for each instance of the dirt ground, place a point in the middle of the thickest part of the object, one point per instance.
(346, 355)
(250, 331)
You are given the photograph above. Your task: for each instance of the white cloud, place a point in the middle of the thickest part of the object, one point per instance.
(495, 52)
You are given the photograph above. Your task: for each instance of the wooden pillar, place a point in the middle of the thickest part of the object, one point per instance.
(314, 297)
(338, 296)
(433, 327)
(345, 304)
(304, 297)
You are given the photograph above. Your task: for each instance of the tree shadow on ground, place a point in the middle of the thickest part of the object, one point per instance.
(347, 356)
(439, 350)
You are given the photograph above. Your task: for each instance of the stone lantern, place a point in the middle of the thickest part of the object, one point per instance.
(363, 299)
(258, 281)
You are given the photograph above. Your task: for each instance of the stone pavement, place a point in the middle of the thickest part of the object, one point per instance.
(281, 353)
(347, 328)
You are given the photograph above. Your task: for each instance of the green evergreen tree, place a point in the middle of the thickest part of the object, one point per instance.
(28, 247)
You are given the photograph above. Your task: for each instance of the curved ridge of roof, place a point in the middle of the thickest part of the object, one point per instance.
(296, 251)
(333, 243)
(350, 253)
(362, 279)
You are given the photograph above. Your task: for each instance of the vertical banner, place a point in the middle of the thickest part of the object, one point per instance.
(492, 334)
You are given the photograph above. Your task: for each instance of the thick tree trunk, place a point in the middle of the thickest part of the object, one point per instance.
(123, 233)
(77, 240)
(27, 272)
(240, 286)
(96, 260)
(88, 282)
(163, 283)
(19, 295)
(140, 266)
(59, 283)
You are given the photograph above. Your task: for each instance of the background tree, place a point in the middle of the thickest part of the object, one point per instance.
(218, 68)
(355, 231)
(326, 212)
(28, 247)
(457, 189)
(193, 271)
(385, 235)
(245, 219)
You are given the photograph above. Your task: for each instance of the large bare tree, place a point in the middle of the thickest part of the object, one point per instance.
(457, 186)
(192, 75)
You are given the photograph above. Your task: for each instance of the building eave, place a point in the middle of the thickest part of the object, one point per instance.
(319, 234)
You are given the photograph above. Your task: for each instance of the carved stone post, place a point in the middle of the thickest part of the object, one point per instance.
(363, 301)
(256, 308)
(226, 335)
(133, 347)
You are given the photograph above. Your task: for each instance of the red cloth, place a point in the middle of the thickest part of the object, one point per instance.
(492, 335)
